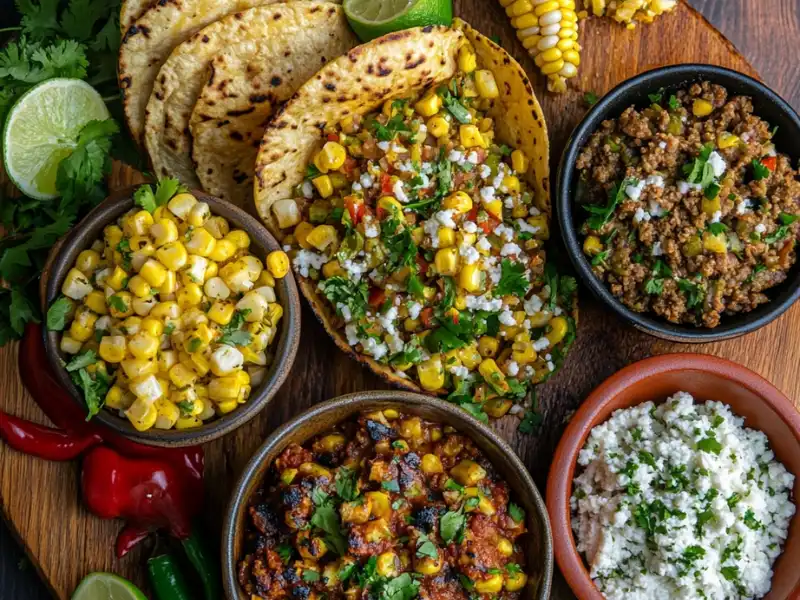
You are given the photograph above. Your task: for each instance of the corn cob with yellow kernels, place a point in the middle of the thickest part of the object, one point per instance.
(628, 11)
(549, 31)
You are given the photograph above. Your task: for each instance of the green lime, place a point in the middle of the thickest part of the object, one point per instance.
(105, 586)
(374, 18)
(41, 129)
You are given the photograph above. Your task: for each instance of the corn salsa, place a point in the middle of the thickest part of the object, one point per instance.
(420, 230)
(385, 505)
(169, 317)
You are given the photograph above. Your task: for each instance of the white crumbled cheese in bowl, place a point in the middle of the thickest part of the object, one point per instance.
(680, 501)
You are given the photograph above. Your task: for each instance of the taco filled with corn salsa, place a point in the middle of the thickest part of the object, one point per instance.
(409, 182)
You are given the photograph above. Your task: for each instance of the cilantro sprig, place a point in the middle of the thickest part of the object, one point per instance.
(600, 215)
(512, 280)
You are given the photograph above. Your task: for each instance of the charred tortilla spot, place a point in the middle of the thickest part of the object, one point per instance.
(236, 136)
(258, 98)
(275, 81)
(206, 39)
(239, 113)
(416, 63)
(330, 86)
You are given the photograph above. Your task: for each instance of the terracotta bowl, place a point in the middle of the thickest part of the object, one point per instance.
(81, 237)
(537, 542)
(750, 396)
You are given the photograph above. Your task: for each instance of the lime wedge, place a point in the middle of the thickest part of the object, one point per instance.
(374, 18)
(41, 129)
(105, 586)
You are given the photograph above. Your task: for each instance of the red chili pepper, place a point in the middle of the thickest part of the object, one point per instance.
(771, 162)
(130, 537)
(44, 442)
(377, 297)
(349, 166)
(333, 137)
(356, 209)
(149, 494)
(386, 183)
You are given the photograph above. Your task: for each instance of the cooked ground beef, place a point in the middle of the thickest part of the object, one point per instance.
(692, 212)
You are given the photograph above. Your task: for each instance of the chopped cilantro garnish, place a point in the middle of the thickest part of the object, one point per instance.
(512, 280)
(760, 171)
(340, 290)
(600, 215)
(710, 445)
(393, 127)
(451, 525)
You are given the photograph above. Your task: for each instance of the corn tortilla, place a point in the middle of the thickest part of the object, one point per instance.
(396, 65)
(132, 10)
(150, 40)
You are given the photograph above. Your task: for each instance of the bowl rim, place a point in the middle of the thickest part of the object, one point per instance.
(559, 480)
(605, 109)
(286, 346)
(248, 478)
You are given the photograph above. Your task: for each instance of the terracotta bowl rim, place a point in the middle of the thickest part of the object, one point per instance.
(245, 484)
(286, 345)
(559, 482)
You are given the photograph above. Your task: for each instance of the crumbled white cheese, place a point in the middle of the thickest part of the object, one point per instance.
(371, 230)
(472, 157)
(431, 229)
(484, 303)
(387, 321)
(455, 156)
(483, 244)
(354, 269)
(308, 190)
(414, 308)
(512, 368)
(485, 171)
(344, 310)
(634, 192)
(641, 215)
(743, 206)
(533, 305)
(374, 348)
(504, 232)
(655, 181)
(366, 180)
(662, 145)
(761, 228)
(525, 227)
(657, 250)
(469, 254)
(351, 331)
(726, 504)
(541, 344)
(469, 227)
(715, 218)
(510, 249)
(507, 318)
(399, 192)
(445, 217)
(459, 371)
(718, 164)
(383, 146)
(684, 187)
(655, 209)
(306, 259)
(487, 193)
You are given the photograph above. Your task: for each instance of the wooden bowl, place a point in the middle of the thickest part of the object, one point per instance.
(705, 377)
(63, 256)
(537, 542)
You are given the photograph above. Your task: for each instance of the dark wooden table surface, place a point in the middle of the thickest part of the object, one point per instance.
(767, 32)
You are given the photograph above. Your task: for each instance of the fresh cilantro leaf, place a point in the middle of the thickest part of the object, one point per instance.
(144, 198)
(39, 19)
(81, 175)
(194, 344)
(590, 98)
(454, 106)
(717, 228)
(656, 98)
(167, 189)
(751, 521)
(730, 573)
(531, 422)
(394, 126)
(169, 329)
(760, 171)
(512, 280)
(346, 484)
(82, 360)
(516, 512)
(402, 251)
(117, 303)
(788, 219)
(232, 333)
(285, 551)
(453, 486)
(391, 486)
(21, 311)
(94, 390)
(326, 518)
(691, 554)
(402, 587)
(186, 407)
(600, 258)
(444, 174)
(310, 576)
(712, 191)
(710, 445)
(340, 290)
(57, 314)
(674, 103)
(451, 525)
(600, 215)
(426, 548)
(695, 294)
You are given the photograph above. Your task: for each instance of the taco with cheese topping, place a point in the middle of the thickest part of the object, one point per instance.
(409, 181)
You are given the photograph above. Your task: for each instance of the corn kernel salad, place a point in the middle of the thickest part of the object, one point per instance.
(384, 506)
(169, 317)
(631, 11)
(421, 233)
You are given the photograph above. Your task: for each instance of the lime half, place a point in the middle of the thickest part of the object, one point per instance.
(374, 18)
(105, 586)
(41, 129)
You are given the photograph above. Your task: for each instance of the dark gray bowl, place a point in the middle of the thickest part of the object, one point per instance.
(63, 256)
(767, 104)
(538, 542)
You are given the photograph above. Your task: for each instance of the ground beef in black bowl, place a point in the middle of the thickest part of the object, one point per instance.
(679, 201)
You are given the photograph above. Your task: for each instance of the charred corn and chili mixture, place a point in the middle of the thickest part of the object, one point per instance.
(421, 231)
(169, 317)
(384, 506)
(631, 11)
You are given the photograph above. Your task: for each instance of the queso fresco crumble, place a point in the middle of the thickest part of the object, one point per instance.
(680, 500)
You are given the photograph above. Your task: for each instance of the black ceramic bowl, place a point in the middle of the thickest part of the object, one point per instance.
(767, 104)
(63, 256)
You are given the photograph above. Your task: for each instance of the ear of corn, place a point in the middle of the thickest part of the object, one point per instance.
(549, 31)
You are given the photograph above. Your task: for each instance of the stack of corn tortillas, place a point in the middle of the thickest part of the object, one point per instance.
(201, 80)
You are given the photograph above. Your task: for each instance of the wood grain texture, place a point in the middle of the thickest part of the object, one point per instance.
(41, 500)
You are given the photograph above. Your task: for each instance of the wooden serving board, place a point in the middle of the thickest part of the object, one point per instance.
(41, 500)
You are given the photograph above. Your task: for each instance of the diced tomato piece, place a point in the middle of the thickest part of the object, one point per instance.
(481, 154)
(333, 137)
(456, 317)
(377, 296)
(356, 209)
(349, 166)
(422, 264)
(426, 316)
(380, 212)
(489, 224)
(770, 162)
(386, 183)
(472, 215)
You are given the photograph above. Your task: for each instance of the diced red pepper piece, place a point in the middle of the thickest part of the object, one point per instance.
(771, 162)
(422, 264)
(386, 183)
(426, 316)
(355, 207)
(377, 296)
(333, 137)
